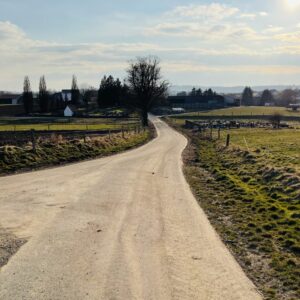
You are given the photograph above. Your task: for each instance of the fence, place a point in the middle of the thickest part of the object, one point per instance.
(19, 138)
(206, 129)
(68, 124)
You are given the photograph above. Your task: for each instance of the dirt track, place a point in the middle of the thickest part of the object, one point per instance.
(121, 227)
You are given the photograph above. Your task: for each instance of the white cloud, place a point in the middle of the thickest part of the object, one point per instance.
(255, 69)
(210, 12)
(215, 31)
(273, 29)
(247, 16)
(21, 55)
(223, 36)
(263, 14)
(292, 37)
(9, 31)
(208, 22)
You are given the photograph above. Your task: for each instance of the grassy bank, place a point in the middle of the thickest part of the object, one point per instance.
(251, 193)
(56, 150)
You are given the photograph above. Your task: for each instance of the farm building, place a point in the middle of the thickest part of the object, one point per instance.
(66, 95)
(231, 100)
(10, 99)
(69, 111)
(195, 102)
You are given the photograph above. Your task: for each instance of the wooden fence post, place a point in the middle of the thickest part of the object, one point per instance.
(219, 133)
(228, 140)
(109, 134)
(33, 140)
(122, 132)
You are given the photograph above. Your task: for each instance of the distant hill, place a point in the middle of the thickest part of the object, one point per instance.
(234, 89)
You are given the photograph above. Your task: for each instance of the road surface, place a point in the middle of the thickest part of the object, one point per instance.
(121, 227)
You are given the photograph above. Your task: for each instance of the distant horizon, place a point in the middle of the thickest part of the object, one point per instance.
(187, 87)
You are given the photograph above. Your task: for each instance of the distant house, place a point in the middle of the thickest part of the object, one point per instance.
(10, 99)
(69, 111)
(66, 95)
(231, 101)
(60, 100)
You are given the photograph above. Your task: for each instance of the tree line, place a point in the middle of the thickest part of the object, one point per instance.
(284, 98)
(143, 86)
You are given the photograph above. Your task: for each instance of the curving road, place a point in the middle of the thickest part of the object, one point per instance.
(121, 227)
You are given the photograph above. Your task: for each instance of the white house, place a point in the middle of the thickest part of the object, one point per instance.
(69, 111)
(178, 110)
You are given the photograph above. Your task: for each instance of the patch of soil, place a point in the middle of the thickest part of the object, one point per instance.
(9, 245)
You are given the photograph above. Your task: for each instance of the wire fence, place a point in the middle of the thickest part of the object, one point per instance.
(21, 137)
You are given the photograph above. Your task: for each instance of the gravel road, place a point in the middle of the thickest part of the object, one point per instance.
(120, 227)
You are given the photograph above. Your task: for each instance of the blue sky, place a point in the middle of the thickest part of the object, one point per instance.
(205, 43)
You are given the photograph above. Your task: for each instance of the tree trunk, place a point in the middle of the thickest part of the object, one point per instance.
(145, 118)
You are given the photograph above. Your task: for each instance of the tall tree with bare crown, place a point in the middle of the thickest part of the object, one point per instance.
(146, 84)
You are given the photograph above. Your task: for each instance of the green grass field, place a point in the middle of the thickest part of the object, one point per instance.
(244, 111)
(41, 124)
(278, 147)
(251, 193)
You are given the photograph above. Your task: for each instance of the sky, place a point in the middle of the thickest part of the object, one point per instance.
(203, 43)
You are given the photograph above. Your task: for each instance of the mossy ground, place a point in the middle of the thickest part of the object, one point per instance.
(58, 151)
(251, 194)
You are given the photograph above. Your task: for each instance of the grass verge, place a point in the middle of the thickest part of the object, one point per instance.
(254, 204)
(57, 151)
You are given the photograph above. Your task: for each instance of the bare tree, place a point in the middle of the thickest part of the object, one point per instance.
(145, 84)
(27, 96)
(287, 97)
